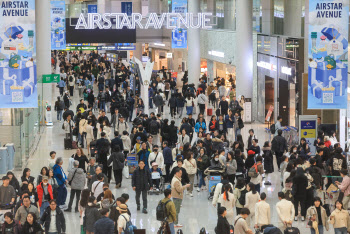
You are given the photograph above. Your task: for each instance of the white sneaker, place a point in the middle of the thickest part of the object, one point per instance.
(295, 218)
(157, 190)
(198, 189)
(302, 218)
(191, 194)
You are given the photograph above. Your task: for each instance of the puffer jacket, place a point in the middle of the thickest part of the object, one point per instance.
(190, 166)
(91, 216)
(312, 211)
(78, 181)
(126, 142)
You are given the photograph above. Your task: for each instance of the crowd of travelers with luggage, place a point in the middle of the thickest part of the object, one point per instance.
(172, 160)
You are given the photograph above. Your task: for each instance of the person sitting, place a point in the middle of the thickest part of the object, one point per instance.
(156, 174)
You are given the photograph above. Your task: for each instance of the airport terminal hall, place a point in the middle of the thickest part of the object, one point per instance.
(174, 117)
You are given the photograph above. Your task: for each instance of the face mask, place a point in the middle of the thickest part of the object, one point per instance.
(295, 151)
(155, 150)
(44, 184)
(216, 159)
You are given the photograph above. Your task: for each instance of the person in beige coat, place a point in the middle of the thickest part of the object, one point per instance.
(228, 200)
(82, 129)
(285, 211)
(251, 198)
(262, 212)
(191, 168)
(340, 219)
(89, 135)
(313, 214)
(177, 193)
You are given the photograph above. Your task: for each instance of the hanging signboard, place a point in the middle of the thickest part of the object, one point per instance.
(127, 8)
(179, 6)
(58, 25)
(328, 54)
(18, 55)
(92, 8)
(179, 38)
(51, 78)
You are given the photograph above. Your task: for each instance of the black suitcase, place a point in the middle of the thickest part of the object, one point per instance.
(67, 143)
(292, 230)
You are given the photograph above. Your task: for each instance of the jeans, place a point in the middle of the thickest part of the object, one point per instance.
(118, 176)
(177, 203)
(144, 198)
(150, 102)
(103, 105)
(74, 192)
(189, 110)
(237, 131)
(100, 87)
(278, 158)
(202, 108)
(130, 114)
(43, 207)
(61, 90)
(342, 230)
(201, 179)
(82, 137)
(173, 111)
(172, 228)
(180, 110)
(71, 89)
(320, 230)
(59, 115)
(62, 195)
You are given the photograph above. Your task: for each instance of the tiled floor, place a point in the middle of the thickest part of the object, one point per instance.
(196, 212)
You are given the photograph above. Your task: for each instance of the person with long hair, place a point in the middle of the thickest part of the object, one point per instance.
(81, 158)
(33, 195)
(268, 160)
(251, 198)
(31, 226)
(340, 219)
(91, 214)
(240, 190)
(202, 164)
(318, 217)
(228, 200)
(26, 178)
(14, 183)
(231, 167)
(107, 200)
(191, 167)
(82, 205)
(240, 164)
(44, 172)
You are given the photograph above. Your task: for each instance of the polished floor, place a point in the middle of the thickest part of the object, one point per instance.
(196, 212)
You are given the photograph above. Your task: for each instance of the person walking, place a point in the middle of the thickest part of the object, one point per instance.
(223, 226)
(340, 219)
(318, 216)
(202, 100)
(241, 225)
(59, 107)
(168, 160)
(251, 198)
(262, 212)
(117, 157)
(76, 179)
(285, 211)
(91, 215)
(104, 225)
(300, 183)
(191, 168)
(61, 179)
(279, 146)
(45, 194)
(344, 186)
(53, 219)
(141, 183)
(228, 200)
(170, 210)
(177, 193)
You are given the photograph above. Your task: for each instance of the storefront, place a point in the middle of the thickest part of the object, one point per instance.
(279, 71)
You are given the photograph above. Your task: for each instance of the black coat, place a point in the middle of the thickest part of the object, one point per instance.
(118, 159)
(141, 183)
(60, 220)
(117, 141)
(223, 227)
(250, 161)
(300, 183)
(91, 216)
(279, 144)
(268, 160)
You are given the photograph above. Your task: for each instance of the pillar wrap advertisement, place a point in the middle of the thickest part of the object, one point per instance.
(18, 55)
(328, 54)
(58, 25)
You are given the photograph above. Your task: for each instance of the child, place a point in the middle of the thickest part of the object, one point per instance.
(156, 174)
(137, 146)
(52, 160)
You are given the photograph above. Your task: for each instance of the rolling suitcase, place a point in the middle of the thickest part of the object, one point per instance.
(67, 143)
(209, 112)
(292, 230)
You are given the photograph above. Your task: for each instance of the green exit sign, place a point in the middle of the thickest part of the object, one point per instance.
(51, 78)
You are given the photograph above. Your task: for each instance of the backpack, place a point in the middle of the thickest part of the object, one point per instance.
(129, 228)
(161, 212)
(232, 228)
(203, 231)
(103, 96)
(253, 171)
(154, 127)
(241, 199)
(273, 128)
(61, 105)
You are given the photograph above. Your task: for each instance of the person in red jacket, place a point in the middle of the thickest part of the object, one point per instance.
(44, 190)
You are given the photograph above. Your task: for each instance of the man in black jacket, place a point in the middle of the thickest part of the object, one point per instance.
(117, 141)
(60, 220)
(81, 105)
(141, 183)
(118, 159)
(67, 112)
(279, 146)
(184, 178)
(103, 146)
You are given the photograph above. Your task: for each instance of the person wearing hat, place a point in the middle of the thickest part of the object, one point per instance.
(137, 146)
(155, 179)
(124, 217)
(7, 192)
(249, 162)
(45, 194)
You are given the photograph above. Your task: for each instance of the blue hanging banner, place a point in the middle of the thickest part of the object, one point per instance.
(127, 8)
(179, 6)
(92, 8)
(328, 54)
(18, 55)
(58, 25)
(179, 38)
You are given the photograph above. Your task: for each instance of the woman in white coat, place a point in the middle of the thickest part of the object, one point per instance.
(228, 200)
(89, 135)
(106, 129)
(191, 168)
(251, 198)
(182, 140)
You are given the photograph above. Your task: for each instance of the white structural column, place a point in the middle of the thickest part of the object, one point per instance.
(101, 6)
(267, 16)
(138, 51)
(292, 18)
(229, 14)
(43, 48)
(211, 66)
(194, 47)
(244, 48)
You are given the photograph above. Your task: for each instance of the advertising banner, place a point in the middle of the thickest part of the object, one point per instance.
(58, 25)
(328, 54)
(179, 38)
(127, 8)
(18, 55)
(179, 6)
(307, 130)
(92, 8)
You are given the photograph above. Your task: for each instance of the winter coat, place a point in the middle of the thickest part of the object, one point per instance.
(40, 191)
(240, 165)
(249, 162)
(177, 188)
(91, 216)
(190, 166)
(141, 183)
(300, 183)
(118, 159)
(59, 174)
(104, 226)
(35, 228)
(202, 165)
(200, 125)
(279, 144)
(158, 100)
(345, 185)
(268, 160)
(167, 155)
(143, 156)
(126, 142)
(180, 102)
(223, 226)
(184, 177)
(78, 181)
(172, 102)
(231, 167)
(60, 220)
(312, 211)
(17, 227)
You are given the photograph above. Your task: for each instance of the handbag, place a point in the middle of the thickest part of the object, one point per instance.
(70, 182)
(126, 171)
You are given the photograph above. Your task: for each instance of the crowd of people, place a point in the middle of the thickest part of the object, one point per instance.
(173, 159)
